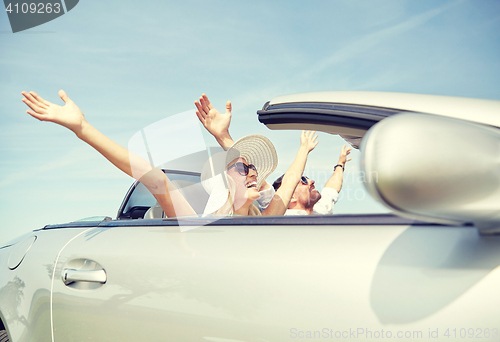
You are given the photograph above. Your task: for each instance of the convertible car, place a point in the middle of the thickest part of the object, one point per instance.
(429, 270)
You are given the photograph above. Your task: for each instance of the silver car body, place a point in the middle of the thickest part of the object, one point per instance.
(363, 277)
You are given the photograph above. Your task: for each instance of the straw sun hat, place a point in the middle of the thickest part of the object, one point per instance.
(255, 149)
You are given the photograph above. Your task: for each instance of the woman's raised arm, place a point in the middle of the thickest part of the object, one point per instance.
(71, 117)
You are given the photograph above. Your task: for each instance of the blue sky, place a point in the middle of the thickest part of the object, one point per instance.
(129, 64)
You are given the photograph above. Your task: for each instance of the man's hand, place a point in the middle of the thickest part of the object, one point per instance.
(336, 180)
(308, 140)
(214, 121)
(343, 155)
(69, 115)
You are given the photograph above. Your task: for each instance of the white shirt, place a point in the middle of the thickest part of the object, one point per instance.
(324, 206)
(265, 198)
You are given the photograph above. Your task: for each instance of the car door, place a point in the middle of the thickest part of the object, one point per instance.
(278, 279)
(219, 282)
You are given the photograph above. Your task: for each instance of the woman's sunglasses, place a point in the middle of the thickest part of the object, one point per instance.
(242, 168)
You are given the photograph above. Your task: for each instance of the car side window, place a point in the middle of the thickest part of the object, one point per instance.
(140, 199)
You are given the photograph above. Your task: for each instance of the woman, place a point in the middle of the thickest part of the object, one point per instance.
(242, 179)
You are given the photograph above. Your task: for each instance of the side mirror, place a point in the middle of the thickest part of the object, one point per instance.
(435, 168)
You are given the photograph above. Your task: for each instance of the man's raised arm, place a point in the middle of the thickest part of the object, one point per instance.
(335, 181)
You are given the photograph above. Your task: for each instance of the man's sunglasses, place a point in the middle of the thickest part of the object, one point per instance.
(304, 180)
(242, 168)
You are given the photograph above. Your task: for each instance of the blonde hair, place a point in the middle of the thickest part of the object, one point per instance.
(228, 206)
(254, 211)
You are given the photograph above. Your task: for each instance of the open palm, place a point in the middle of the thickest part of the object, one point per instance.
(69, 115)
(214, 121)
(309, 139)
(343, 155)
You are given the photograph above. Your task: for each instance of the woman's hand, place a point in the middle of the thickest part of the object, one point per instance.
(214, 121)
(308, 140)
(69, 115)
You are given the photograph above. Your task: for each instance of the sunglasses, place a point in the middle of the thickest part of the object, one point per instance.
(304, 180)
(242, 168)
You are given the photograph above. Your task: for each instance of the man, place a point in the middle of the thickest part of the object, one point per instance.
(306, 200)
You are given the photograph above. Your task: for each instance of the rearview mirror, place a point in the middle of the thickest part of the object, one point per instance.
(435, 168)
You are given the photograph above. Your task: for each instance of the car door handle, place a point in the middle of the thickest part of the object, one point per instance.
(72, 275)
